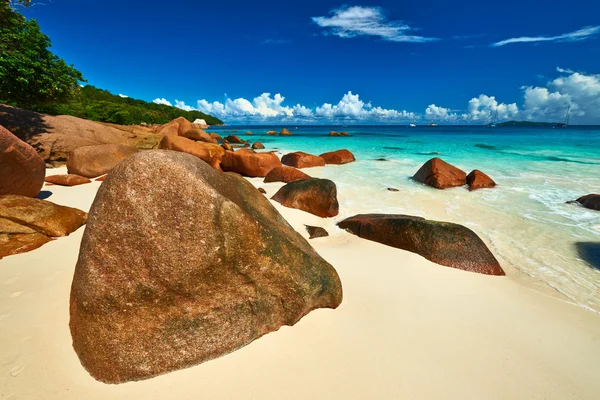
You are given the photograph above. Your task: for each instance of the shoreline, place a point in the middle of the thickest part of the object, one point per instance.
(407, 327)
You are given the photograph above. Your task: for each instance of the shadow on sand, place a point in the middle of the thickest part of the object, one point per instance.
(590, 252)
(44, 194)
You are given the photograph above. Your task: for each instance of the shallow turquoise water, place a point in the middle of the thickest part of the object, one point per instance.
(525, 220)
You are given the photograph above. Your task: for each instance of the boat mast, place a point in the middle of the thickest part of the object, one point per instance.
(568, 115)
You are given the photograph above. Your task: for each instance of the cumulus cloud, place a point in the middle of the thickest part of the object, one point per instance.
(484, 108)
(162, 101)
(581, 34)
(437, 113)
(349, 22)
(123, 96)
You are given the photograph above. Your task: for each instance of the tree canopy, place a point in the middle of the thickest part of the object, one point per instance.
(30, 73)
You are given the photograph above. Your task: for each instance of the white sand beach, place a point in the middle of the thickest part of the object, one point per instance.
(407, 328)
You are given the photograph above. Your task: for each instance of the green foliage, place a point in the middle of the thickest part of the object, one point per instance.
(30, 73)
(100, 105)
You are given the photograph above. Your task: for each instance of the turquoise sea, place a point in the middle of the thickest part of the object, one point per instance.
(526, 221)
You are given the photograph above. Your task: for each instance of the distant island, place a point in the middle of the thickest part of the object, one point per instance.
(530, 123)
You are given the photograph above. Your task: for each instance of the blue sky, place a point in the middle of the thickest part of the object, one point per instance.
(335, 61)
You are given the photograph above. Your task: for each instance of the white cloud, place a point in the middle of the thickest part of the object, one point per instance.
(162, 101)
(181, 105)
(349, 22)
(437, 113)
(123, 96)
(581, 34)
(484, 108)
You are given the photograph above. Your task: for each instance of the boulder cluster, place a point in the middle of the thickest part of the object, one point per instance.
(439, 174)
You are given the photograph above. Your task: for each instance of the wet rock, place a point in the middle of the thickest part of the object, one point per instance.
(22, 171)
(258, 146)
(443, 243)
(248, 163)
(248, 133)
(439, 174)
(93, 161)
(300, 159)
(285, 174)
(271, 133)
(392, 189)
(68, 180)
(338, 157)
(316, 232)
(313, 195)
(591, 201)
(478, 180)
(334, 133)
(218, 270)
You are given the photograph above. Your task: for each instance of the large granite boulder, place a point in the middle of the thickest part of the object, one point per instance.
(478, 180)
(93, 161)
(180, 264)
(591, 201)
(443, 243)
(338, 157)
(439, 174)
(271, 133)
(313, 195)
(22, 171)
(55, 137)
(258, 146)
(67, 180)
(234, 139)
(27, 223)
(285, 174)
(250, 164)
(284, 132)
(177, 127)
(300, 159)
(215, 136)
(334, 133)
(199, 135)
(208, 152)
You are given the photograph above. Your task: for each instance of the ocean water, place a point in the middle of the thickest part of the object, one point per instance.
(525, 221)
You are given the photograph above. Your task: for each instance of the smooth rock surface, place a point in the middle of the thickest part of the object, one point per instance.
(316, 232)
(285, 174)
(314, 195)
(210, 153)
(93, 161)
(248, 163)
(300, 159)
(478, 180)
(68, 180)
(439, 174)
(591, 201)
(443, 243)
(338, 157)
(22, 170)
(180, 264)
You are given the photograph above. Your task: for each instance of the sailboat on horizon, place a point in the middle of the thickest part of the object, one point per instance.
(494, 120)
(567, 118)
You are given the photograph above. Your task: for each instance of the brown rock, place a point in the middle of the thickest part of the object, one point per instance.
(285, 132)
(285, 174)
(101, 179)
(443, 243)
(334, 133)
(439, 174)
(338, 157)
(152, 295)
(177, 127)
(316, 196)
(248, 133)
(93, 161)
(55, 137)
(227, 146)
(207, 152)
(234, 139)
(41, 215)
(478, 180)
(262, 190)
(300, 159)
(591, 201)
(248, 163)
(215, 136)
(271, 133)
(67, 180)
(258, 145)
(198, 135)
(316, 232)
(22, 171)
(392, 189)
(15, 243)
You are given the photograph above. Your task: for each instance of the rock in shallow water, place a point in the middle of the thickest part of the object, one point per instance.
(478, 180)
(180, 264)
(313, 195)
(443, 243)
(591, 201)
(338, 157)
(439, 174)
